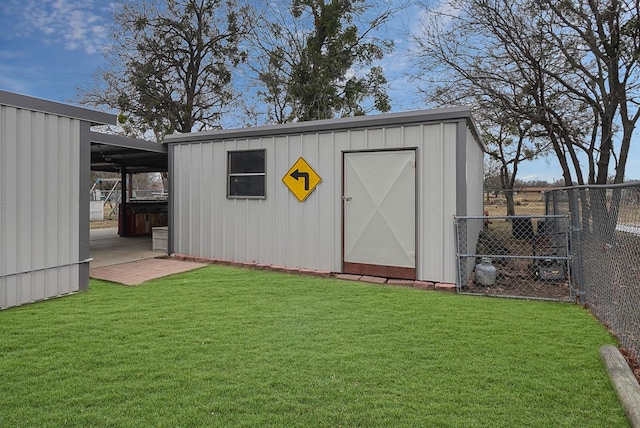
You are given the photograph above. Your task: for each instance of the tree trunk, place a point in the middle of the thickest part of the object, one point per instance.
(511, 206)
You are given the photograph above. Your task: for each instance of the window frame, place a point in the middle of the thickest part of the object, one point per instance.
(230, 174)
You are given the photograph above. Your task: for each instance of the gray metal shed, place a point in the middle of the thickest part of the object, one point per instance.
(47, 151)
(372, 195)
(44, 177)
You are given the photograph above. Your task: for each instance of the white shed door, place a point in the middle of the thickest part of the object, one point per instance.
(380, 213)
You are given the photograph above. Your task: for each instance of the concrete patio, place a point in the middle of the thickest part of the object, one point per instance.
(107, 248)
(130, 261)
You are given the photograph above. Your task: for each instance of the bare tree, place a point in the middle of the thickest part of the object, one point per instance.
(602, 47)
(573, 65)
(277, 44)
(510, 139)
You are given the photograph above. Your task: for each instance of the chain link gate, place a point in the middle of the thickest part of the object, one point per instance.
(515, 256)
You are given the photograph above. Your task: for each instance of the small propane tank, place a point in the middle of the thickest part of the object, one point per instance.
(485, 272)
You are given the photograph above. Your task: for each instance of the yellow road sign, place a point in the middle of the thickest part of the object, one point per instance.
(301, 179)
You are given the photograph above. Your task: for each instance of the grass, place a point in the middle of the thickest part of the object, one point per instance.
(102, 224)
(526, 203)
(222, 346)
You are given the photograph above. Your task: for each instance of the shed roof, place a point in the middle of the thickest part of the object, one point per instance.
(357, 122)
(51, 107)
(109, 152)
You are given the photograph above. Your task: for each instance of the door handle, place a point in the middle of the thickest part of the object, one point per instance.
(346, 198)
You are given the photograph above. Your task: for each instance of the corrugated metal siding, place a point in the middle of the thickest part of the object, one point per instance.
(39, 208)
(277, 230)
(474, 195)
(281, 231)
(436, 202)
(475, 176)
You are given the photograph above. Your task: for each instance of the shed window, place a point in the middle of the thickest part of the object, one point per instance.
(246, 172)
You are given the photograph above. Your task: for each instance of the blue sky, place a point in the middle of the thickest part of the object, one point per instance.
(49, 48)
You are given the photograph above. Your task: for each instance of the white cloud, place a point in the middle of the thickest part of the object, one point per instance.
(76, 24)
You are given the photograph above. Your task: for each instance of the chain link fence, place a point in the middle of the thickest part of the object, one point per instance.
(569, 244)
(605, 227)
(517, 256)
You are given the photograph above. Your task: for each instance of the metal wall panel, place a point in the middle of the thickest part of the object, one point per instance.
(475, 176)
(39, 205)
(437, 201)
(474, 194)
(281, 231)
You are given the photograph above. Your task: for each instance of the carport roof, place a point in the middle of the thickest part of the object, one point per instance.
(111, 153)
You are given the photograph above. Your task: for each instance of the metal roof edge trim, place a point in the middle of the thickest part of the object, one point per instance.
(476, 133)
(59, 109)
(130, 143)
(356, 122)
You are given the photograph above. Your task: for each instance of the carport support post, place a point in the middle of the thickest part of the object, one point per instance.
(130, 186)
(123, 201)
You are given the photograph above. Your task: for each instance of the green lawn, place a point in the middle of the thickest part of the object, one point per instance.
(223, 346)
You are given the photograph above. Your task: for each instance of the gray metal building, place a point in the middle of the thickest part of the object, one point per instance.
(44, 160)
(372, 195)
(47, 151)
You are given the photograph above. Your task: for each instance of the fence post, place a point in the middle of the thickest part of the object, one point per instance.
(576, 249)
(459, 265)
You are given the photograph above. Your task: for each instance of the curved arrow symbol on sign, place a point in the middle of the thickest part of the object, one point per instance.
(297, 174)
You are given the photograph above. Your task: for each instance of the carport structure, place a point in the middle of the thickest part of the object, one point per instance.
(114, 153)
(47, 150)
(127, 156)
